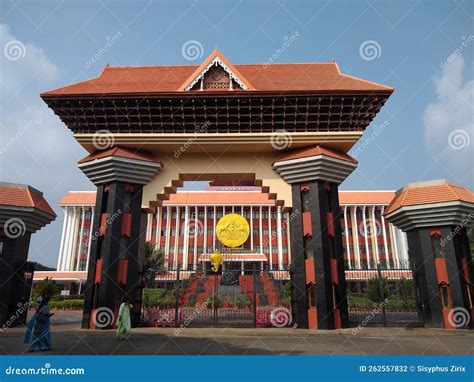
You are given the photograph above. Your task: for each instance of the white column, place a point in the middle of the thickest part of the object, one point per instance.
(196, 229)
(167, 235)
(205, 230)
(176, 241)
(260, 229)
(279, 240)
(288, 238)
(81, 233)
(346, 231)
(148, 227)
(242, 267)
(270, 237)
(67, 240)
(90, 238)
(72, 243)
(394, 245)
(158, 227)
(355, 236)
(384, 233)
(186, 238)
(63, 238)
(404, 240)
(251, 229)
(214, 231)
(374, 236)
(242, 210)
(366, 239)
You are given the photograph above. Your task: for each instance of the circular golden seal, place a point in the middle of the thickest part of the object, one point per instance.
(232, 230)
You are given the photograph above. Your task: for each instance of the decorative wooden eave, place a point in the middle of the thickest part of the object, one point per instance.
(216, 58)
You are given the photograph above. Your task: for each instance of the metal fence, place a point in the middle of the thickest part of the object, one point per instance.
(202, 298)
(383, 296)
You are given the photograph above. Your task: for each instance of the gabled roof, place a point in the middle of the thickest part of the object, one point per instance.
(22, 195)
(270, 78)
(431, 192)
(216, 57)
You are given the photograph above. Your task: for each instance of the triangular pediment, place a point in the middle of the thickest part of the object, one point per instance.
(216, 73)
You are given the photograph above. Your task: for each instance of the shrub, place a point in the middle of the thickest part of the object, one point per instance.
(212, 302)
(152, 297)
(243, 302)
(66, 304)
(372, 291)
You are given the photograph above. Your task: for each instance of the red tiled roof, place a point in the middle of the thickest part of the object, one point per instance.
(119, 152)
(20, 195)
(365, 197)
(311, 77)
(76, 198)
(314, 151)
(429, 193)
(41, 275)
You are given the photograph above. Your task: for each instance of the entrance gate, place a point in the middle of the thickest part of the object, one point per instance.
(383, 296)
(203, 298)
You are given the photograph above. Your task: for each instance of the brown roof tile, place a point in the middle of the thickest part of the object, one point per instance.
(20, 195)
(429, 193)
(306, 77)
(119, 152)
(314, 151)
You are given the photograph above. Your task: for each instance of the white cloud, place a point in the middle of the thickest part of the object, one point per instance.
(36, 148)
(449, 122)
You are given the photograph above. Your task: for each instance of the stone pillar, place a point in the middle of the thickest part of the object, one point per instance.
(17, 224)
(117, 247)
(317, 267)
(438, 249)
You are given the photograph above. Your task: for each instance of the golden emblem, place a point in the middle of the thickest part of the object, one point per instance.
(216, 260)
(232, 230)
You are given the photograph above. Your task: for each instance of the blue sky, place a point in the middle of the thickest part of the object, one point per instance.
(424, 49)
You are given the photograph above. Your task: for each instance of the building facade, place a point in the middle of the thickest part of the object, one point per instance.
(183, 230)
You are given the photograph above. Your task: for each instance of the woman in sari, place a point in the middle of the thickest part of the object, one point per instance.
(38, 331)
(123, 322)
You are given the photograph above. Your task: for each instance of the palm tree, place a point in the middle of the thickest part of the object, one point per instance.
(154, 263)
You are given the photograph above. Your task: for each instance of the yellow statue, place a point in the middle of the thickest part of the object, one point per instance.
(232, 230)
(216, 261)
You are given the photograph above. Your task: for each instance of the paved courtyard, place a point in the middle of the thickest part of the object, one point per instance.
(68, 338)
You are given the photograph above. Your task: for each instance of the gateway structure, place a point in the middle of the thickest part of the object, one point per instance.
(285, 127)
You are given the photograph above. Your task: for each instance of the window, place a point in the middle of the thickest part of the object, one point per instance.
(274, 249)
(265, 231)
(173, 231)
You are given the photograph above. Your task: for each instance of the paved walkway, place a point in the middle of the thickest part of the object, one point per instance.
(68, 338)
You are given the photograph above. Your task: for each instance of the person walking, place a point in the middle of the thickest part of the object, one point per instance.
(38, 331)
(123, 322)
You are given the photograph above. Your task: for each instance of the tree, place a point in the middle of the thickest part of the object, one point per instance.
(154, 263)
(46, 287)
